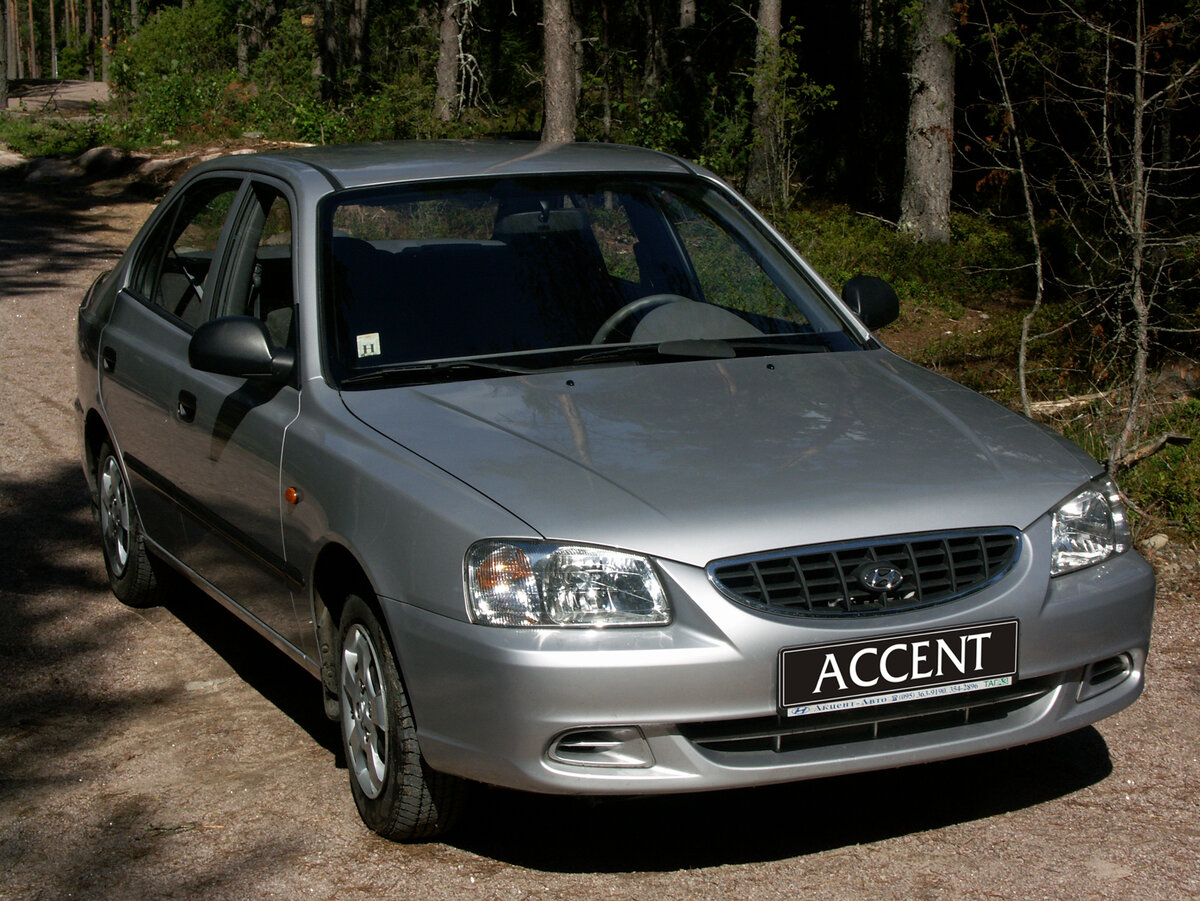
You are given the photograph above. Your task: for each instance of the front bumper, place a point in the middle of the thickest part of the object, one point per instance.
(492, 703)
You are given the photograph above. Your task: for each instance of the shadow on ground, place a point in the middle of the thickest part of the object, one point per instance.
(53, 235)
(776, 822)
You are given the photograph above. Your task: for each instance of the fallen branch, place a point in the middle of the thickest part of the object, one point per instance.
(1150, 448)
(1068, 403)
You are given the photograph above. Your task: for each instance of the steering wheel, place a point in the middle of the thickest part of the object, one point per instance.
(634, 306)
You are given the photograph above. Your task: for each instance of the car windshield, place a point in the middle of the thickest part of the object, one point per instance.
(527, 274)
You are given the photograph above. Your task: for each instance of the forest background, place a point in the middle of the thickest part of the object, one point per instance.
(1029, 166)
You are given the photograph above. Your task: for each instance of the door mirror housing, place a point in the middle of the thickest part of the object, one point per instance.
(240, 346)
(872, 299)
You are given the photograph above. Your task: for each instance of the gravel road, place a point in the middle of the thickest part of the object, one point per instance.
(170, 753)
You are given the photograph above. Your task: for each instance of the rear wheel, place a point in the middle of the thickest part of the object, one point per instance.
(396, 792)
(131, 571)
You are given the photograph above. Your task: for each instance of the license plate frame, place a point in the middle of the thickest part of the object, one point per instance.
(891, 669)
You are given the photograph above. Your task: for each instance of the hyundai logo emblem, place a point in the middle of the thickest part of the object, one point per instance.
(879, 577)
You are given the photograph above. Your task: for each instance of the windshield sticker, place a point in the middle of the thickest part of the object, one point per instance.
(368, 345)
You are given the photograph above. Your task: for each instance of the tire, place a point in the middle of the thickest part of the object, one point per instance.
(396, 792)
(133, 575)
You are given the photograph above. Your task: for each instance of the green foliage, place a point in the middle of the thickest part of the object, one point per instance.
(1165, 486)
(176, 75)
(33, 137)
(942, 279)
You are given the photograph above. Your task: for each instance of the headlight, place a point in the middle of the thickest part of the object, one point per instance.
(1089, 528)
(533, 583)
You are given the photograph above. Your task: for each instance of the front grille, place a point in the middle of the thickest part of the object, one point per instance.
(824, 581)
(780, 734)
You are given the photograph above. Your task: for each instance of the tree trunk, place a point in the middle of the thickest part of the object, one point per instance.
(53, 43)
(687, 13)
(3, 55)
(929, 152)
(656, 51)
(445, 102)
(559, 81)
(325, 31)
(89, 30)
(35, 64)
(768, 87)
(135, 17)
(356, 33)
(106, 41)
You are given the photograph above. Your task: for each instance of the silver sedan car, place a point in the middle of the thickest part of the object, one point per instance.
(560, 470)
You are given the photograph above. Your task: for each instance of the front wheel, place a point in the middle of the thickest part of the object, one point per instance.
(132, 573)
(396, 792)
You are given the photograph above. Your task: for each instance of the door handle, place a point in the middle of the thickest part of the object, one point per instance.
(185, 408)
(108, 359)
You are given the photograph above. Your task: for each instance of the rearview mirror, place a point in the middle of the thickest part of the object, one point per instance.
(872, 299)
(240, 346)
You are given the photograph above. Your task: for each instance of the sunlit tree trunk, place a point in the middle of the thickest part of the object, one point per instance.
(929, 152)
(53, 43)
(449, 33)
(35, 64)
(767, 91)
(3, 55)
(559, 86)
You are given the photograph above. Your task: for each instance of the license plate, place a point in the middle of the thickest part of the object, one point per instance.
(891, 669)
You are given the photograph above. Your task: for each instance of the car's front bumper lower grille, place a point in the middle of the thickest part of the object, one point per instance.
(826, 581)
(781, 734)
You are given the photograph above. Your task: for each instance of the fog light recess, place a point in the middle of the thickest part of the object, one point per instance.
(608, 746)
(1102, 675)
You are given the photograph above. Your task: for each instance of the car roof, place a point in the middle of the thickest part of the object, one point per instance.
(359, 165)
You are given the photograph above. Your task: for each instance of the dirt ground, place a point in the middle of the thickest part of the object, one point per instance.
(66, 96)
(170, 753)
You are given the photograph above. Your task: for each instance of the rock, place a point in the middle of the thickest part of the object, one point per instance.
(100, 161)
(10, 160)
(52, 169)
(1156, 542)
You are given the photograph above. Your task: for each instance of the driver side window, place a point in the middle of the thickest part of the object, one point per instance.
(175, 272)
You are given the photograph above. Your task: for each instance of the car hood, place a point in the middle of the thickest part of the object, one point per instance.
(694, 461)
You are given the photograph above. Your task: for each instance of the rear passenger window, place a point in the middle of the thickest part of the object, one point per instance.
(175, 270)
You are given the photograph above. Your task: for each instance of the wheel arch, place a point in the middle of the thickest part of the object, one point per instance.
(336, 574)
(95, 433)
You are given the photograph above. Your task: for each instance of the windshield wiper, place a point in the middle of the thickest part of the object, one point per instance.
(697, 349)
(438, 371)
(704, 349)
(761, 347)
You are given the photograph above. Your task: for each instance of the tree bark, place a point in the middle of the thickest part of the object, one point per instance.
(687, 13)
(928, 162)
(445, 102)
(53, 42)
(89, 30)
(356, 28)
(325, 31)
(106, 41)
(135, 17)
(3, 55)
(559, 80)
(767, 90)
(35, 64)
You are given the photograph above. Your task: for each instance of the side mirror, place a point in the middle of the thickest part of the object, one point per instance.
(240, 346)
(872, 299)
